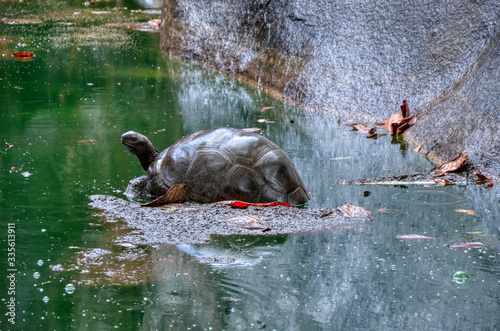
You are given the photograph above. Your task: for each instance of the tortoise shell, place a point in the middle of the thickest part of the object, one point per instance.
(228, 164)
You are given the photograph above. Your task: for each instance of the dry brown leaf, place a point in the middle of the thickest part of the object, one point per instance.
(405, 109)
(395, 118)
(483, 177)
(176, 193)
(454, 165)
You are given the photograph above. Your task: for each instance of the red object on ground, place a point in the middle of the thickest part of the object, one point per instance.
(243, 204)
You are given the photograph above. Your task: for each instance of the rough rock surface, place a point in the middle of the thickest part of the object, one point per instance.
(361, 59)
(196, 223)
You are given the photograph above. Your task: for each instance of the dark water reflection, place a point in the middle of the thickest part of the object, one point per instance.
(65, 110)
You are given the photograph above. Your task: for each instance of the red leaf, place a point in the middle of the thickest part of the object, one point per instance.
(490, 185)
(23, 54)
(483, 177)
(243, 204)
(413, 237)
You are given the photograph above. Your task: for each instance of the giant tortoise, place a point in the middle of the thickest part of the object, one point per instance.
(220, 164)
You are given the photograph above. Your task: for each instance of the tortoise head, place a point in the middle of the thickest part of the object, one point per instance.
(140, 146)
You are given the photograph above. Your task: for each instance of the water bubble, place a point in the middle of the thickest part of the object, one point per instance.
(460, 277)
(36, 275)
(70, 288)
(45, 299)
(39, 262)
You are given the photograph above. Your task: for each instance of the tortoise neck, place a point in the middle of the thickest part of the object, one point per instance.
(147, 157)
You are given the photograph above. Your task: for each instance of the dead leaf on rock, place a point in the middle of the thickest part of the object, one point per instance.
(397, 123)
(395, 118)
(454, 165)
(483, 177)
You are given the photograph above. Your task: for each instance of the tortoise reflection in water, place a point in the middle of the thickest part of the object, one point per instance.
(219, 164)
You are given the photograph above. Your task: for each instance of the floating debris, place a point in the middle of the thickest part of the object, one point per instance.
(14, 169)
(7, 145)
(350, 210)
(252, 129)
(465, 211)
(126, 245)
(389, 211)
(23, 56)
(156, 22)
(475, 244)
(413, 237)
(368, 131)
(266, 108)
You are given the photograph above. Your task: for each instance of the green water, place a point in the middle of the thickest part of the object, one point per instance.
(64, 112)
